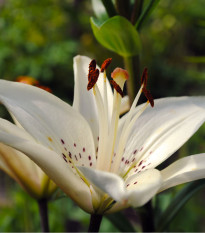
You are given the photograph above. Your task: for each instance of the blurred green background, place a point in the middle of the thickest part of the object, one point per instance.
(40, 39)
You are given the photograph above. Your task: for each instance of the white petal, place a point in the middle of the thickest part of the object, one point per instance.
(22, 169)
(108, 182)
(183, 170)
(135, 194)
(143, 186)
(161, 130)
(49, 120)
(84, 100)
(53, 165)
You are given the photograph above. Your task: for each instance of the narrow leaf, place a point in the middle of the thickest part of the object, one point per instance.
(177, 203)
(121, 222)
(146, 13)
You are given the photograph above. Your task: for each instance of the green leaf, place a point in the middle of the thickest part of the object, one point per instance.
(121, 222)
(146, 13)
(177, 203)
(117, 34)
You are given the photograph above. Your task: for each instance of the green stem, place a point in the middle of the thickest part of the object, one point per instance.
(123, 8)
(43, 210)
(136, 12)
(132, 66)
(109, 7)
(146, 12)
(147, 218)
(95, 221)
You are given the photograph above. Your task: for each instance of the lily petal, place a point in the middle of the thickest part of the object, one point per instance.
(144, 187)
(84, 100)
(50, 121)
(22, 169)
(52, 164)
(183, 170)
(110, 183)
(162, 130)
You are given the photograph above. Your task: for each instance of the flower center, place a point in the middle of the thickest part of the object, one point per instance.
(110, 139)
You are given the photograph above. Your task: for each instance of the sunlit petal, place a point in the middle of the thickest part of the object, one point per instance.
(50, 121)
(161, 130)
(183, 170)
(53, 165)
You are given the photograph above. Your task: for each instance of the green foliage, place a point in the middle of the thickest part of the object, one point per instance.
(117, 34)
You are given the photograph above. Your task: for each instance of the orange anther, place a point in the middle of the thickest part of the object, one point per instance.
(92, 78)
(105, 64)
(116, 87)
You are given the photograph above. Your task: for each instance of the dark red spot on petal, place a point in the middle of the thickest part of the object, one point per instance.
(89, 157)
(62, 141)
(134, 152)
(91, 164)
(83, 149)
(135, 182)
(140, 163)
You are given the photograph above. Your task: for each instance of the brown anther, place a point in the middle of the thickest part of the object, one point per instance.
(116, 87)
(144, 77)
(92, 65)
(105, 64)
(148, 95)
(92, 78)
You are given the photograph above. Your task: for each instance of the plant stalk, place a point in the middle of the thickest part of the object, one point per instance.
(147, 218)
(95, 221)
(43, 210)
(133, 83)
(109, 7)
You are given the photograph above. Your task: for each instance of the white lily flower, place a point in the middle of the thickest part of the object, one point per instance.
(25, 172)
(103, 162)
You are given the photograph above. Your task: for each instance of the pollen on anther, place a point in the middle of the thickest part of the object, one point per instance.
(148, 95)
(105, 64)
(144, 77)
(92, 65)
(117, 87)
(92, 78)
